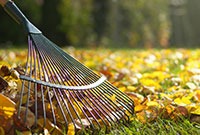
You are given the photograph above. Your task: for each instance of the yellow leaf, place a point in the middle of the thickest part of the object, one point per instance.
(2, 132)
(139, 108)
(6, 105)
(153, 103)
(131, 88)
(182, 101)
(122, 89)
(196, 111)
(71, 129)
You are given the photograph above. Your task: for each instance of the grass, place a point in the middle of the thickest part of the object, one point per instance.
(160, 127)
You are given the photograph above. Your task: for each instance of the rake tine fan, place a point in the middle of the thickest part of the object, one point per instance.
(58, 88)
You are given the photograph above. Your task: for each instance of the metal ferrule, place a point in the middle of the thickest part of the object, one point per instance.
(20, 18)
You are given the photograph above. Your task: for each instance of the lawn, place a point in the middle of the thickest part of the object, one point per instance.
(163, 83)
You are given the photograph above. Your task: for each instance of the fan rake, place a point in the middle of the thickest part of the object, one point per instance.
(59, 88)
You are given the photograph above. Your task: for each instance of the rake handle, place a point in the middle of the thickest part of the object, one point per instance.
(12, 9)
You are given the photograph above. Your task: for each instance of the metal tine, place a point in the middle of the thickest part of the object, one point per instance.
(75, 92)
(83, 98)
(106, 107)
(86, 116)
(45, 71)
(117, 94)
(36, 114)
(88, 109)
(83, 91)
(111, 101)
(61, 95)
(83, 67)
(54, 59)
(54, 91)
(114, 104)
(73, 109)
(49, 97)
(42, 91)
(29, 84)
(122, 94)
(72, 105)
(115, 108)
(120, 112)
(102, 110)
(47, 88)
(65, 59)
(107, 103)
(127, 106)
(22, 89)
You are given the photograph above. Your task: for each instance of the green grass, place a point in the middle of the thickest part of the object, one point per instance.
(181, 126)
(160, 127)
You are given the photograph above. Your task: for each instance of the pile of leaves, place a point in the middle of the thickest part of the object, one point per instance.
(163, 83)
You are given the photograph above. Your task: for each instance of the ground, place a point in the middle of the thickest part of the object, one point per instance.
(164, 84)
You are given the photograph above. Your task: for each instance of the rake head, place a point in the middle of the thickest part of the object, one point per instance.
(59, 88)
(61, 91)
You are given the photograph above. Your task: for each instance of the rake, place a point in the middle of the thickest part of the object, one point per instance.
(58, 88)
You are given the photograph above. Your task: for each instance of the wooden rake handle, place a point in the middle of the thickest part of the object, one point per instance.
(3, 2)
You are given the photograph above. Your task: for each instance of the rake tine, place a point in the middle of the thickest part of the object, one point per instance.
(29, 85)
(113, 108)
(82, 67)
(118, 97)
(87, 109)
(80, 99)
(85, 100)
(114, 115)
(65, 102)
(79, 106)
(102, 110)
(78, 78)
(83, 110)
(36, 114)
(113, 103)
(22, 89)
(43, 59)
(122, 94)
(49, 97)
(42, 92)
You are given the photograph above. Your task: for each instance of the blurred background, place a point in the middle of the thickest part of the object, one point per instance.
(108, 23)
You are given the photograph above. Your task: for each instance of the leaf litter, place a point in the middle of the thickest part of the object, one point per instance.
(163, 83)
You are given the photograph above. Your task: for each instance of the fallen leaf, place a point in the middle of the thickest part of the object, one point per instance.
(49, 126)
(3, 84)
(7, 108)
(139, 108)
(4, 71)
(2, 132)
(153, 103)
(30, 119)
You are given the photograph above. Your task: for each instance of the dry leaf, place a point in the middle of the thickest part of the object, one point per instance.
(4, 71)
(3, 84)
(29, 120)
(7, 108)
(49, 126)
